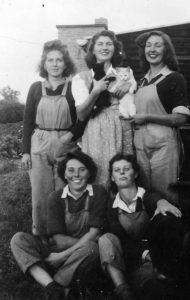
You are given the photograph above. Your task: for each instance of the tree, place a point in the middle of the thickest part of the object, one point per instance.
(9, 94)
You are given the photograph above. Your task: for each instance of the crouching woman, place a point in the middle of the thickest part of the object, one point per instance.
(124, 249)
(75, 220)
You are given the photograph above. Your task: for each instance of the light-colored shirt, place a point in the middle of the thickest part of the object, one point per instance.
(119, 203)
(79, 89)
(66, 191)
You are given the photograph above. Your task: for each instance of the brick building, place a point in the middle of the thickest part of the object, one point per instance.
(69, 34)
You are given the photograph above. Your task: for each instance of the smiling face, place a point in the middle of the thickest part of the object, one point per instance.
(123, 174)
(77, 175)
(54, 64)
(103, 49)
(154, 50)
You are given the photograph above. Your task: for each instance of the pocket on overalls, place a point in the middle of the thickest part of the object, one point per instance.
(39, 142)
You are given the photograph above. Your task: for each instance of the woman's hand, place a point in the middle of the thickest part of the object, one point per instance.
(26, 161)
(163, 206)
(121, 90)
(139, 119)
(56, 259)
(100, 85)
(66, 138)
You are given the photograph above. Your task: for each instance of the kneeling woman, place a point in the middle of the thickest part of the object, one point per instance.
(124, 249)
(75, 220)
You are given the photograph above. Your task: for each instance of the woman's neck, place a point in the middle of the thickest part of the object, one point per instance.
(54, 82)
(76, 193)
(107, 66)
(154, 70)
(128, 194)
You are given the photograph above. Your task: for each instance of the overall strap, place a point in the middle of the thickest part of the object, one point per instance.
(66, 205)
(65, 87)
(43, 89)
(87, 203)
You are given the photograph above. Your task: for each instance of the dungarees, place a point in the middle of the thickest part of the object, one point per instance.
(76, 226)
(127, 255)
(28, 250)
(52, 120)
(156, 145)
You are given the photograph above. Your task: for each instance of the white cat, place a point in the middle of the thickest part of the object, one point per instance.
(126, 105)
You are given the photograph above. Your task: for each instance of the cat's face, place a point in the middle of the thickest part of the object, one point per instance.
(123, 73)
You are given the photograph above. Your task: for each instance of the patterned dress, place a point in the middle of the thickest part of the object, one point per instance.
(106, 134)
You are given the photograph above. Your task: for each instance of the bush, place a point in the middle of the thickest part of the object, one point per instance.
(11, 112)
(10, 146)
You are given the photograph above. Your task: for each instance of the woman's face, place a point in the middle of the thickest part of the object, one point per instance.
(154, 50)
(123, 174)
(77, 175)
(54, 64)
(103, 49)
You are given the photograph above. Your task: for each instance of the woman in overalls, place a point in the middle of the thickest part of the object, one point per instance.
(161, 104)
(124, 249)
(75, 221)
(49, 121)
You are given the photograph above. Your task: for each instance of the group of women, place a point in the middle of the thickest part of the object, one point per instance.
(76, 223)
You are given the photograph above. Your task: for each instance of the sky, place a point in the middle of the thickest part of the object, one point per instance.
(26, 24)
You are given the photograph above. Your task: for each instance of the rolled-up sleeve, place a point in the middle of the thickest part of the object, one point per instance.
(79, 90)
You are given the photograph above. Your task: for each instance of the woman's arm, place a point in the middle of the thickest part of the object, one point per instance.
(83, 100)
(171, 120)
(55, 259)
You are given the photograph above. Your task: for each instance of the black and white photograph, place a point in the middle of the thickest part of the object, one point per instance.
(94, 150)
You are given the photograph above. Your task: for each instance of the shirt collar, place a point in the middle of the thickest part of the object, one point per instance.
(66, 191)
(48, 85)
(164, 71)
(119, 203)
(110, 70)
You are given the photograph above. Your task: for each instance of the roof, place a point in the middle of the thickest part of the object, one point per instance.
(82, 26)
(152, 27)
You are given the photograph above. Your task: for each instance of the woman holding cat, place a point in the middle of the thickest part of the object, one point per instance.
(106, 133)
(161, 104)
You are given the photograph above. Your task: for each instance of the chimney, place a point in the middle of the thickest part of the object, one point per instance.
(101, 21)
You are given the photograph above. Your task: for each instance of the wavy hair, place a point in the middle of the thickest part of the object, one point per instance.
(59, 46)
(85, 159)
(169, 56)
(118, 54)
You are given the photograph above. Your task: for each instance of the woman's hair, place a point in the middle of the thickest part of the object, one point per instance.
(59, 46)
(118, 55)
(84, 159)
(120, 156)
(169, 57)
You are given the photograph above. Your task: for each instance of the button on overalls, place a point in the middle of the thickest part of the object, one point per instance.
(52, 119)
(157, 146)
(76, 226)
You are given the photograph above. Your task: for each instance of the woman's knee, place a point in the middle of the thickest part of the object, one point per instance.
(21, 240)
(107, 240)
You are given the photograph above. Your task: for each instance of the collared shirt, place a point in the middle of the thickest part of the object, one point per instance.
(119, 203)
(79, 89)
(164, 71)
(66, 191)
